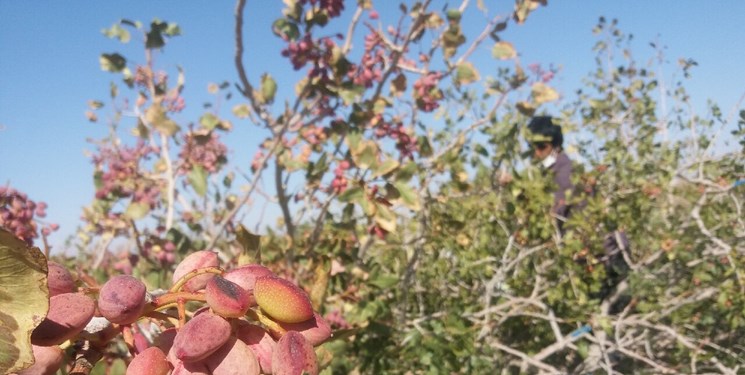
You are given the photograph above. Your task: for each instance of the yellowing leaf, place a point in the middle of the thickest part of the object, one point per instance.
(320, 283)
(385, 218)
(251, 245)
(241, 111)
(137, 211)
(24, 300)
(543, 93)
(524, 7)
(525, 108)
(433, 21)
(466, 73)
(407, 195)
(365, 154)
(386, 167)
(503, 51)
(268, 88)
(156, 117)
(209, 121)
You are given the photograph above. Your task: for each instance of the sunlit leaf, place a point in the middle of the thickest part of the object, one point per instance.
(350, 93)
(543, 93)
(198, 180)
(366, 155)
(503, 51)
(268, 88)
(285, 29)
(385, 218)
(407, 195)
(251, 244)
(241, 111)
(112, 62)
(466, 73)
(209, 121)
(24, 300)
(156, 117)
(137, 210)
(433, 21)
(524, 7)
(525, 108)
(353, 194)
(320, 283)
(118, 32)
(386, 167)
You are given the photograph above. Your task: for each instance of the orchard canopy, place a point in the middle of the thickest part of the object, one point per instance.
(411, 219)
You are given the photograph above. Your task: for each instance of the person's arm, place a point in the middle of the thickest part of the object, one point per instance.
(563, 180)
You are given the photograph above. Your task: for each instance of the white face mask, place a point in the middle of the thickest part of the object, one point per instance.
(549, 160)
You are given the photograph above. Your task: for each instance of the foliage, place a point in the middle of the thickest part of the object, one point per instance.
(24, 294)
(387, 165)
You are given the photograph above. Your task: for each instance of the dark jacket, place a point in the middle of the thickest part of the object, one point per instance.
(562, 170)
(614, 244)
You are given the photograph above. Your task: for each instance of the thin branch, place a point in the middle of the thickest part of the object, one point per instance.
(531, 361)
(350, 31)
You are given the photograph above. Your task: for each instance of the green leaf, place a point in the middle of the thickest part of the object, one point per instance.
(466, 73)
(366, 155)
(251, 244)
(268, 88)
(117, 31)
(368, 207)
(406, 172)
(543, 93)
(156, 117)
(113, 90)
(24, 298)
(285, 29)
(353, 194)
(408, 196)
(523, 8)
(315, 170)
(453, 15)
(136, 210)
(386, 167)
(112, 62)
(433, 21)
(172, 29)
(525, 108)
(241, 111)
(198, 180)
(384, 281)
(154, 39)
(385, 218)
(381, 104)
(452, 38)
(209, 121)
(425, 149)
(350, 93)
(320, 283)
(503, 51)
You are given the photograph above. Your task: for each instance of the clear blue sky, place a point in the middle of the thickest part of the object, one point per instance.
(49, 69)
